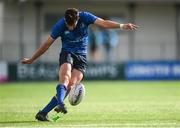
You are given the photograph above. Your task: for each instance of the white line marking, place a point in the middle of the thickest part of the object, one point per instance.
(122, 125)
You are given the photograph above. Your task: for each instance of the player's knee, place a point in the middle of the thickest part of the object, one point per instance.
(65, 79)
(71, 83)
(74, 81)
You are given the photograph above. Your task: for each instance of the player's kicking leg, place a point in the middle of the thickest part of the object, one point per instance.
(65, 74)
(70, 78)
(76, 78)
(79, 68)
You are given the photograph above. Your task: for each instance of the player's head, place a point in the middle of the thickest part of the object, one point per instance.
(71, 17)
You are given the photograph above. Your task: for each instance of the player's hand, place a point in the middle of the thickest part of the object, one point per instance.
(26, 61)
(130, 26)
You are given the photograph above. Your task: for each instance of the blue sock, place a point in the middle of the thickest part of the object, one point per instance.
(61, 90)
(53, 103)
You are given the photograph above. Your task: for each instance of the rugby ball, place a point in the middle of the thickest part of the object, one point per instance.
(76, 94)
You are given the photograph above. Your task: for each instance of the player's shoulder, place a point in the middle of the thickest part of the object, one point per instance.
(59, 25)
(84, 14)
(61, 21)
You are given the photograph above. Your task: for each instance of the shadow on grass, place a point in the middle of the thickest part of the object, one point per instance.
(18, 122)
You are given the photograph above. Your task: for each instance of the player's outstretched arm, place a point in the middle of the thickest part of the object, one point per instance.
(39, 51)
(114, 25)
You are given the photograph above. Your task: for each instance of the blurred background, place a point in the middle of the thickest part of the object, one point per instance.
(150, 53)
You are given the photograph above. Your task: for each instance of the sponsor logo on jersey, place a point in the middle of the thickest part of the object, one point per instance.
(66, 32)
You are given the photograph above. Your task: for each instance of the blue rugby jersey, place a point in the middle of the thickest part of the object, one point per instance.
(75, 40)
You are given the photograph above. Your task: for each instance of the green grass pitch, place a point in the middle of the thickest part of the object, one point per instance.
(106, 104)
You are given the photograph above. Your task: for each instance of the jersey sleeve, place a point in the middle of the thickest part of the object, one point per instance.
(57, 29)
(89, 18)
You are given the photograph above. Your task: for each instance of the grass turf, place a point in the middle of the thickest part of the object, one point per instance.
(106, 104)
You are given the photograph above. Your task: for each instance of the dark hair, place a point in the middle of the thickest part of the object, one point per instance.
(71, 15)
